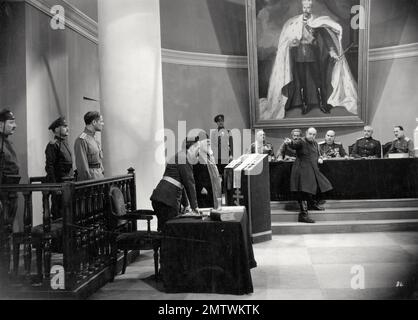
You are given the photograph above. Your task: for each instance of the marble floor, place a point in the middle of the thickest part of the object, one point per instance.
(365, 266)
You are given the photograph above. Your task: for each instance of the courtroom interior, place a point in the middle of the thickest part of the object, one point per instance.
(209, 149)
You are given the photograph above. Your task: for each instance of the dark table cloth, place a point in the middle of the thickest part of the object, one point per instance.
(355, 179)
(205, 256)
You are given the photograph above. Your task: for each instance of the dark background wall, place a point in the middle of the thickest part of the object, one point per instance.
(196, 94)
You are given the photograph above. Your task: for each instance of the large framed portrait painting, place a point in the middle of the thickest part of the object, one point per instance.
(308, 62)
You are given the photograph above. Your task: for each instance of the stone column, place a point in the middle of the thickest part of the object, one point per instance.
(131, 91)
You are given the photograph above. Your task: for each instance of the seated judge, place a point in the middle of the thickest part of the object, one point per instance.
(261, 146)
(331, 149)
(286, 153)
(402, 144)
(367, 147)
(177, 187)
(206, 175)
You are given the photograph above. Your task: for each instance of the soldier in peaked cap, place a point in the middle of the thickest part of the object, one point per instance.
(9, 163)
(9, 174)
(59, 161)
(222, 144)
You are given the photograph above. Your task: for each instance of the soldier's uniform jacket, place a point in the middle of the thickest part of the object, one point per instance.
(177, 185)
(10, 164)
(88, 157)
(367, 147)
(286, 152)
(59, 161)
(403, 145)
(222, 145)
(335, 150)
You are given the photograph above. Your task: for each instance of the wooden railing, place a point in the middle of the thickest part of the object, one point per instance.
(87, 237)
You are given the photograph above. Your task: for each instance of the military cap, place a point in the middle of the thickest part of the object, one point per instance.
(219, 117)
(58, 123)
(6, 115)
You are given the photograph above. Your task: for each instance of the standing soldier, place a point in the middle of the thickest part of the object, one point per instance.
(222, 144)
(9, 174)
(59, 162)
(88, 151)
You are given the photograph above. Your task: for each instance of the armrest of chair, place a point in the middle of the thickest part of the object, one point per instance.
(136, 215)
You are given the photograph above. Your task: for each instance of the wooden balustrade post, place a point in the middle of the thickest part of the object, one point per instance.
(46, 195)
(69, 236)
(84, 238)
(27, 230)
(133, 188)
(5, 233)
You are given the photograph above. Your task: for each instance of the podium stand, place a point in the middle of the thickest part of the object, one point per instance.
(247, 183)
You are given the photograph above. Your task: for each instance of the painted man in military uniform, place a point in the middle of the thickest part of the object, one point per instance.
(88, 151)
(9, 174)
(177, 187)
(367, 147)
(331, 149)
(59, 161)
(306, 180)
(402, 144)
(286, 153)
(222, 144)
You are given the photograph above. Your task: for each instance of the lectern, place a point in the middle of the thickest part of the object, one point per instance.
(247, 183)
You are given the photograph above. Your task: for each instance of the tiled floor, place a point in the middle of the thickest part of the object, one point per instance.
(323, 266)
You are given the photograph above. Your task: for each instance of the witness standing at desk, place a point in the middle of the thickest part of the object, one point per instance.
(367, 147)
(177, 186)
(306, 179)
(402, 144)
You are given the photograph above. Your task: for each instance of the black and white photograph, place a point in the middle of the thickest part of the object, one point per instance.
(209, 157)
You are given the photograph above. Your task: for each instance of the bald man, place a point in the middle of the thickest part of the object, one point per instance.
(306, 180)
(367, 147)
(331, 149)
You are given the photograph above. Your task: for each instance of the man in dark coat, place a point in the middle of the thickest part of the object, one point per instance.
(59, 162)
(177, 187)
(306, 179)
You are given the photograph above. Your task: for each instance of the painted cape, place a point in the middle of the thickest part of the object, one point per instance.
(344, 87)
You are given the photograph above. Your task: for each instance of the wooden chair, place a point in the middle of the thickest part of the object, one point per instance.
(38, 238)
(126, 236)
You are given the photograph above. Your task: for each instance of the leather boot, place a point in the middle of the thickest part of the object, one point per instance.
(304, 215)
(313, 204)
(322, 107)
(304, 104)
